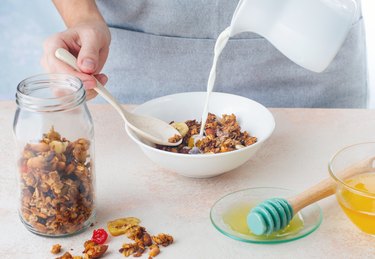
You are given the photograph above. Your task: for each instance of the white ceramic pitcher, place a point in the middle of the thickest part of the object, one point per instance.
(308, 32)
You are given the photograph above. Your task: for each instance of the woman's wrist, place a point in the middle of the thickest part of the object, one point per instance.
(75, 12)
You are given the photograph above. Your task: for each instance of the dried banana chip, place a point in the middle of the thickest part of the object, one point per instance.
(58, 146)
(182, 127)
(120, 226)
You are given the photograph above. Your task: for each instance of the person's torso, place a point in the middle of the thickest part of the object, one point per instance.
(162, 47)
(176, 18)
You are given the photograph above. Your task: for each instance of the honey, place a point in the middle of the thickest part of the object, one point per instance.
(359, 204)
(235, 218)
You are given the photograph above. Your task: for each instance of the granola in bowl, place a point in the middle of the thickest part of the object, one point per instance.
(221, 135)
(222, 149)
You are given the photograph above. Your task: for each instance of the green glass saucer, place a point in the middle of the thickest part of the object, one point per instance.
(228, 215)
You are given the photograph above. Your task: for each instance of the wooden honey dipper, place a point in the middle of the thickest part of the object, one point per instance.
(276, 213)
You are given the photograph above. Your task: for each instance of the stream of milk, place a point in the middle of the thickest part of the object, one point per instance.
(219, 46)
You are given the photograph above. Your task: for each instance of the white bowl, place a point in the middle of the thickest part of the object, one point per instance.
(252, 117)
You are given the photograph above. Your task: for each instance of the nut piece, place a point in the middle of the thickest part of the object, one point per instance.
(94, 250)
(146, 239)
(176, 138)
(53, 135)
(39, 147)
(135, 232)
(67, 255)
(134, 249)
(163, 239)
(154, 250)
(56, 249)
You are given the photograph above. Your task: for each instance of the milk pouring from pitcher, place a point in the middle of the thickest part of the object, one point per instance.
(308, 32)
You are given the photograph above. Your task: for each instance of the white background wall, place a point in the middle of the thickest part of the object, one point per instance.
(25, 24)
(368, 8)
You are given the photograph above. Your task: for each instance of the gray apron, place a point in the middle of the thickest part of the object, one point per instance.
(162, 47)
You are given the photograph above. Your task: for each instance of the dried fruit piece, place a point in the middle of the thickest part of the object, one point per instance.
(182, 127)
(120, 226)
(58, 146)
(99, 236)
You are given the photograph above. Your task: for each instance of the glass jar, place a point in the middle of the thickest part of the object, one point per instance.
(55, 155)
(353, 170)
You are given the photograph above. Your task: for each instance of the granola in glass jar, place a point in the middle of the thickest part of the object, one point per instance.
(57, 195)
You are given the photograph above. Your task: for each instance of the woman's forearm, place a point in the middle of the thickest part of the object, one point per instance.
(74, 12)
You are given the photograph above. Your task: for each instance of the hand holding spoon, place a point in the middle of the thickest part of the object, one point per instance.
(149, 128)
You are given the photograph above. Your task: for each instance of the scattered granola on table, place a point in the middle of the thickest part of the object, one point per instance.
(163, 239)
(57, 195)
(142, 239)
(92, 250)
(130, 227)
(221, 135)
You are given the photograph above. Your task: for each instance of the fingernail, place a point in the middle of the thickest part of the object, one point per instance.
(88, 63)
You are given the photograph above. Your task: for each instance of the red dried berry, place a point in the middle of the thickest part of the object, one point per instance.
(99, 236)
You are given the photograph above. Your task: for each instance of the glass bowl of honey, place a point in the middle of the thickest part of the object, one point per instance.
(228, 216)
(353, 169)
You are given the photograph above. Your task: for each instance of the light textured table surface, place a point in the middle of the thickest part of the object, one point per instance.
(128, 184)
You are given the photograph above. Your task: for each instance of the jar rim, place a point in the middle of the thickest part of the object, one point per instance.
(50, 92)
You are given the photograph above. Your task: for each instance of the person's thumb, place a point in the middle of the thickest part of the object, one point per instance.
(88, 57)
